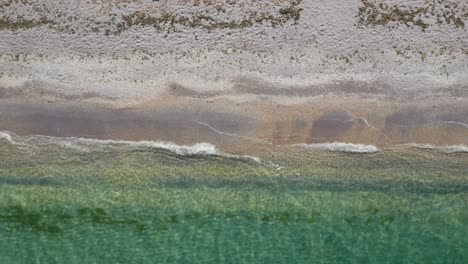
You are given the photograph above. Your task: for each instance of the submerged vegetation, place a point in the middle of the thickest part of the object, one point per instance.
(146, 235)
(129, 224)
(127, 203)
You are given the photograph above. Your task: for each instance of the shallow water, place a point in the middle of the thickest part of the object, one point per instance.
(82, 202)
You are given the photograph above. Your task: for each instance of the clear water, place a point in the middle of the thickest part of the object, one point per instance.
(126, 204)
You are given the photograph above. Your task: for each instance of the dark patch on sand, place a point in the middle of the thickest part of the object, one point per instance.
(330, 126)
(181, 125)
(402, 121)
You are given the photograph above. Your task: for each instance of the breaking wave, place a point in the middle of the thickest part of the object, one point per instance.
(88, 144)
(196, 149)
(445, 149)
(6, 136)
(342, 147)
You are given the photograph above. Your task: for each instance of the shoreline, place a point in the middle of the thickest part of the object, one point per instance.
(243, 127)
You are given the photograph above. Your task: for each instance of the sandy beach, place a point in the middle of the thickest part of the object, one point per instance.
(236, 74)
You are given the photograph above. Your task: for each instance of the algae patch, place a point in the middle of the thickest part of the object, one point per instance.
(375, 13)
(163, 18)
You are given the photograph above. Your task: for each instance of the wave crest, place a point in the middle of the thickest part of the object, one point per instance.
(86, 143)
(196, 149)
(342, 147)
(6, 136)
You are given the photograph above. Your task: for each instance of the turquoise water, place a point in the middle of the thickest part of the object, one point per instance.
(435, 232)
(236, 237)
(145, 205)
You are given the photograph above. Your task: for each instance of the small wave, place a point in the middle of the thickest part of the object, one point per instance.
(6, 136)
(79, 143)
(183, 150)
(196, 149)
(85, 143)
(342, 147)
(445, 149)
(88, 144)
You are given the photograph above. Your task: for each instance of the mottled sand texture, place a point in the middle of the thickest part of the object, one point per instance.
(238, 74)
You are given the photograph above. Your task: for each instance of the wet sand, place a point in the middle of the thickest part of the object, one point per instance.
(242, 127)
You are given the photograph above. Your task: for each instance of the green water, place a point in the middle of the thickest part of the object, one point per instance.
(127, 205)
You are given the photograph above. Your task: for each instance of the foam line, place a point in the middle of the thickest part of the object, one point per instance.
(342, 147)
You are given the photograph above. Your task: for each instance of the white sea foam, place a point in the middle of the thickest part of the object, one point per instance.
(11, 138)
(184, 150)
(88, 144)
(80, 143)
(446, 149)
(6, 136)
(196, 149)
(342, 147)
